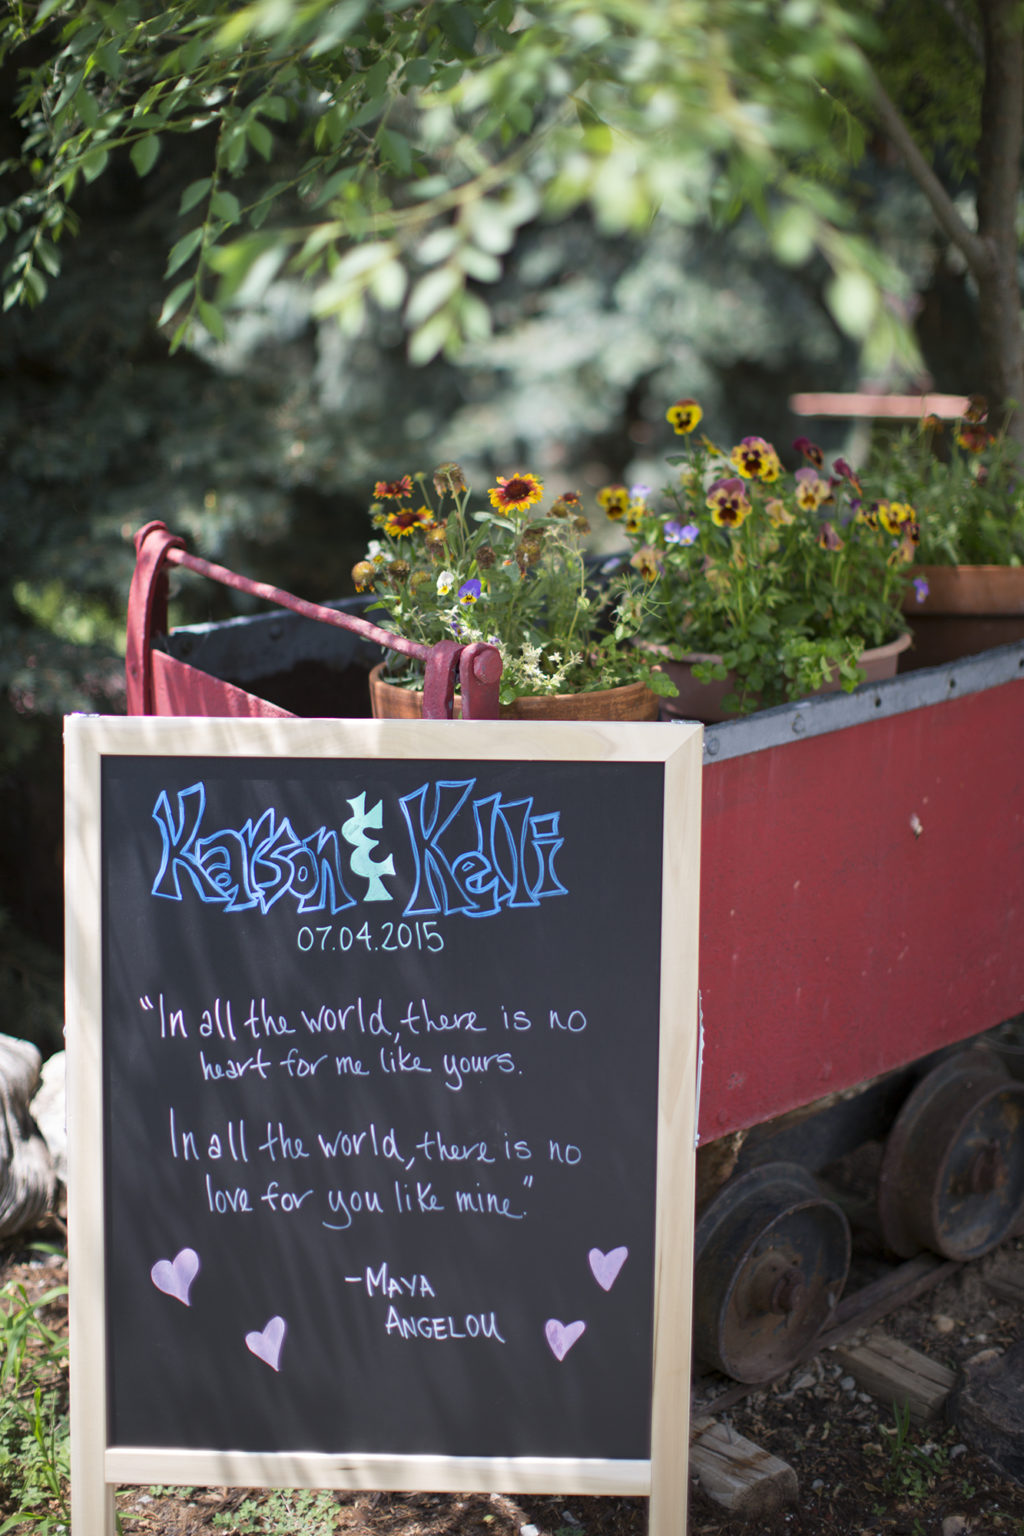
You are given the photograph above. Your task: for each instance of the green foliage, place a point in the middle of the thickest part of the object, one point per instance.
(780, 582)
(507, 574)
(34, 1434)
(913, 1470)
(964, 483)
(392, 154)
(932, 64)
(283, 1513)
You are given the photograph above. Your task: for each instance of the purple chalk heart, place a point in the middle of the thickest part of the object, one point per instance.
(605, 1266)
(562, 1336)
(174, 1276)
(266, 1346)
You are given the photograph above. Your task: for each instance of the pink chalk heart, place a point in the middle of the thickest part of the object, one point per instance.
(266, 1346)
(605, 1266)
(562, 1336)
(174, 1276)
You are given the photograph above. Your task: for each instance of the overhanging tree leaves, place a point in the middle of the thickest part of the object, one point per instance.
(391, 153)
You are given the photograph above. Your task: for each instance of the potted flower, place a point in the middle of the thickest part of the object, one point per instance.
(445, 565)
(966, 484)
(767, 586)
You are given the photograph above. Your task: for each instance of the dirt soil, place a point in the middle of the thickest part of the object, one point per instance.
(857, 1475)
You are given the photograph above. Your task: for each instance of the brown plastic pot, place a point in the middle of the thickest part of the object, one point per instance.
(969, 608)
(703, 701)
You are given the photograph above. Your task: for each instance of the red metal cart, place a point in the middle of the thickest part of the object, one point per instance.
(862, 911)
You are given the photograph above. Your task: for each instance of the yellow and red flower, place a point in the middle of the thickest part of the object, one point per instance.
(728, 502)
(403, 521)
(974, 436)
(515, 493)
(393, 490)
(684, 416)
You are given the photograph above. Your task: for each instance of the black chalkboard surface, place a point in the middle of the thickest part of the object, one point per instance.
(382, 1064)
(381, 1053)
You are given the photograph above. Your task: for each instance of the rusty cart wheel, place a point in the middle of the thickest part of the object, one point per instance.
(772, 1255)
(952, 1177)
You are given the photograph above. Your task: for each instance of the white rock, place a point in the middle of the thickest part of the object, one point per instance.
(955, 1525)
(942, 1323)
(49, 1113)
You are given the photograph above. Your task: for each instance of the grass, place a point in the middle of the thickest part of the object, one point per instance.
(34, 1431)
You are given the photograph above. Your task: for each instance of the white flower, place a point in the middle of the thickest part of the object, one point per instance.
(445, 583)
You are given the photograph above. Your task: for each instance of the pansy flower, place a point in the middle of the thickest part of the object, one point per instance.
(828, 538)
(647, 562)
(445, 583)
(681, 533)
(615, 500)
(684, 416)
(756, 459)
(811, 452)
(393, 490)
(843, 470)
(921, 588)
(811, 489)
(777, 512)
(893, 515)
(515, 493)
(728, 502)
(469, 592)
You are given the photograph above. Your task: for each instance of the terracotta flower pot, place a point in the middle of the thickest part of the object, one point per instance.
(632, 701)
(968, 608)
(703, 701)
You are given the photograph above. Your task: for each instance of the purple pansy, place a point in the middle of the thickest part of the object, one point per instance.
(681, 533)
(921, 588)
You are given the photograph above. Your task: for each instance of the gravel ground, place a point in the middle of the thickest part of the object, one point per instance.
(859, 1470)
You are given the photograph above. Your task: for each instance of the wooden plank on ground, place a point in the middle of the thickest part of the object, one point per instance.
(741, 1476)
(897, 1374)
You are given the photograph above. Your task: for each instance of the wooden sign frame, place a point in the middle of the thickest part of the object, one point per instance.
(97, 1465)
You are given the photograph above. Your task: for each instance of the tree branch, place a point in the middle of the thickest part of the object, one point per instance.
(973, 249)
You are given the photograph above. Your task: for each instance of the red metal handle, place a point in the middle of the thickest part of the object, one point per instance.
(477, 666)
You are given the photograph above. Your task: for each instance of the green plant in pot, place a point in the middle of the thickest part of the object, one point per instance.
(965, 482)
(766, 585)
(445, 565)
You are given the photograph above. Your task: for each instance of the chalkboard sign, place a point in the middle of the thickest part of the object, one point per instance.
(381, 1048)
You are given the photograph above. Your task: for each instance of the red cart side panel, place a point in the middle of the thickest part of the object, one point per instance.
(862, 902)
(179, 689)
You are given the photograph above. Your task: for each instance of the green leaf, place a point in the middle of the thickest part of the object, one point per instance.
(174, 300)
(182, 249)
(87, 108)
(456, 22)
(145, 153)
(194, 193)
(212, 318)
(431, 293)
(853, 299)
(225, 205)
(260, 137)
(396, 150)
(94, 163)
